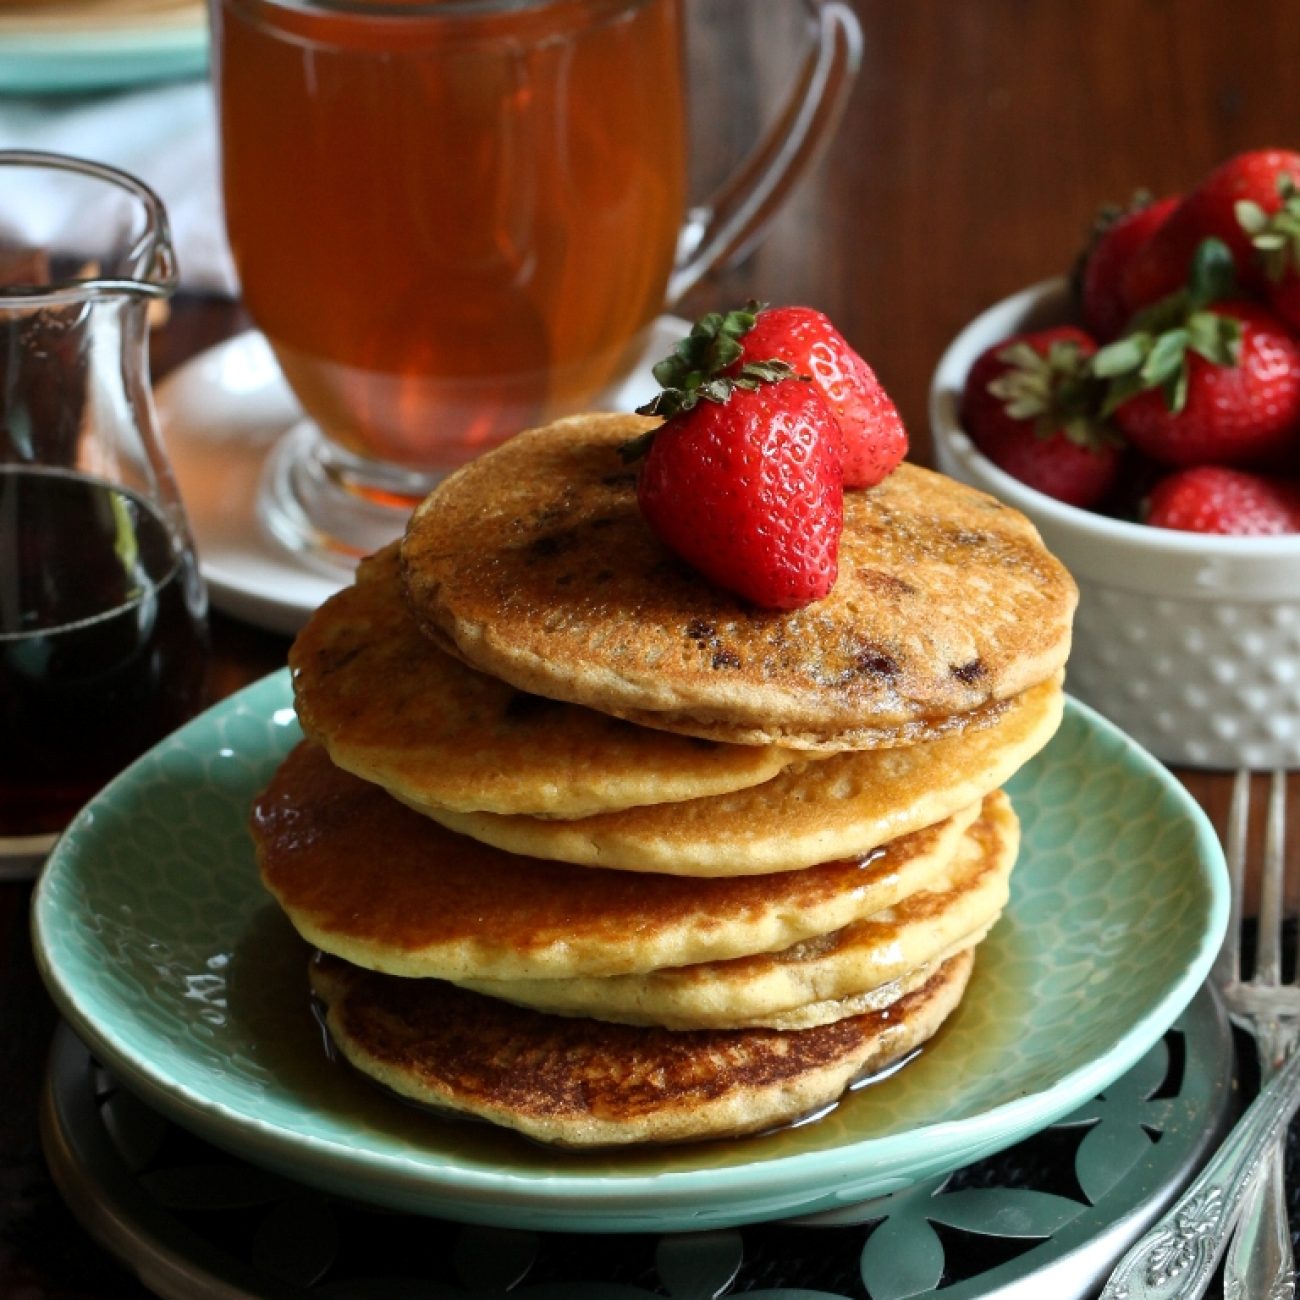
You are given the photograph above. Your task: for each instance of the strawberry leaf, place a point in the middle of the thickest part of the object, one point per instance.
(1056, 390)
(1165, 358)
(1154, 353)
(1276, 236)
(712, 345)
(1122, 356)
(1213, 274)
(717, 388)
(1217, 338)
(1251, 217)
(700, 369)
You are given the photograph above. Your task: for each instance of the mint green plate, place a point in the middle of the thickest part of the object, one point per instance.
(160, 948)
(58, 61)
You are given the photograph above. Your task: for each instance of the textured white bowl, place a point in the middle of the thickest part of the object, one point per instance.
(1191, 643)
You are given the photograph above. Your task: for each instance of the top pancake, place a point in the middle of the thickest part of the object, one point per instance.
(534, 563)
(393, 708)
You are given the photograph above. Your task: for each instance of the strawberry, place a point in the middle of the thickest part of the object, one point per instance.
(1234, 404)
(1276, 240)
(1117, 236)
(1202, 380)
(1030, 405)
(1212, 499)
(1161, 266)
(874, 437)
(744, 480)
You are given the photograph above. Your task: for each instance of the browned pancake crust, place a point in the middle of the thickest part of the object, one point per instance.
(579, 1082)
(392, 707)
(536, 563)
(368, 879)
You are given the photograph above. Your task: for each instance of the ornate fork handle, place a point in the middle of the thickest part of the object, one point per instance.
(1259, 1264)
(1175, 1260)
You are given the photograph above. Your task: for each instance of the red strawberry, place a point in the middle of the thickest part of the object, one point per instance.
(1212, 499)
(744, 480)
(874, 437)
(1222, 387)
(1276, 239)
(1160, 267)
(1118, 235)
(1031, 406)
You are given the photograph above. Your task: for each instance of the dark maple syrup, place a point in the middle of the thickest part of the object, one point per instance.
(102, 639)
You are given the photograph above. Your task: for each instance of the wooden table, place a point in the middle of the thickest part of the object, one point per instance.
(978, 143)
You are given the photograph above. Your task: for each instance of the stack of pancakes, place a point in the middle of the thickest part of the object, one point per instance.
(600, 853)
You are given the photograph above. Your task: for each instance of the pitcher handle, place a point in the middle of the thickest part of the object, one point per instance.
(734, 218)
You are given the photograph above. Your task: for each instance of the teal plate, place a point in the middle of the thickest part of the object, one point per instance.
(86, 59)
(160, 948)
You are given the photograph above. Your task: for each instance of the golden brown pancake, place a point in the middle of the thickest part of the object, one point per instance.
(880, 998)
(953, 912)
(586, 1083)
(365, 878)
(841, 807)
(536, 563)
(394, 709)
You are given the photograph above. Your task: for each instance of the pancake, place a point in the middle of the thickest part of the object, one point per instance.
(365, 878)
(884, 996)
(844, 806)
(394, 709)
(587, 1083)
(954, 911)
(535, 562)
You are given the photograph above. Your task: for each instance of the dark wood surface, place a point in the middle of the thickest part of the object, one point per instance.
(978, 142)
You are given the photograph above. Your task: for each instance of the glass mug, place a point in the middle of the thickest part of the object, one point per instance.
(102, 610)
(456, 219)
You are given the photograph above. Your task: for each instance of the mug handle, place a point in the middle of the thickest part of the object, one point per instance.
(735, 217)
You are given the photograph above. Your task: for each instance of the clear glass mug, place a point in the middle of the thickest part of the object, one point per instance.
(102, 610)
(455, 219)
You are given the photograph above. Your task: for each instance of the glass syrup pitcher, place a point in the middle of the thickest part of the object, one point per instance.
(102, 610)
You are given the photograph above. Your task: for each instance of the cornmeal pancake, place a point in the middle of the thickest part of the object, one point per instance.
(841, 807)
(586, 1083)
(535, 562)
(394, 709)
(363, 877)
(954, 911)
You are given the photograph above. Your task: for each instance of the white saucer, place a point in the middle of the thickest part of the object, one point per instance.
(221, 414)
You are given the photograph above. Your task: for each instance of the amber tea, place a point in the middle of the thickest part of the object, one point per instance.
(451, 229)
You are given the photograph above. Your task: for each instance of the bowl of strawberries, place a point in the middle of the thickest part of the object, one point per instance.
(1144, 412)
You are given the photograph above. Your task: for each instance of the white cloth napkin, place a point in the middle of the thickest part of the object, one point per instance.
(165, 135)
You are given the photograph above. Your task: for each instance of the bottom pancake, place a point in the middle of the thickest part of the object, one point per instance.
(584, 1083)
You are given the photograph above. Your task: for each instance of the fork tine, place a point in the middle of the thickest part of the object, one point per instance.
(1275, 842)
(1227, 967)
(1268, 969)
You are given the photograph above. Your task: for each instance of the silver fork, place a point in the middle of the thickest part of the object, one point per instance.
(1242, 1185)
(1259, 1264)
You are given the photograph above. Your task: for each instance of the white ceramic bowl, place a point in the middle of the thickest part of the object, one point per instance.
(1191, 643)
